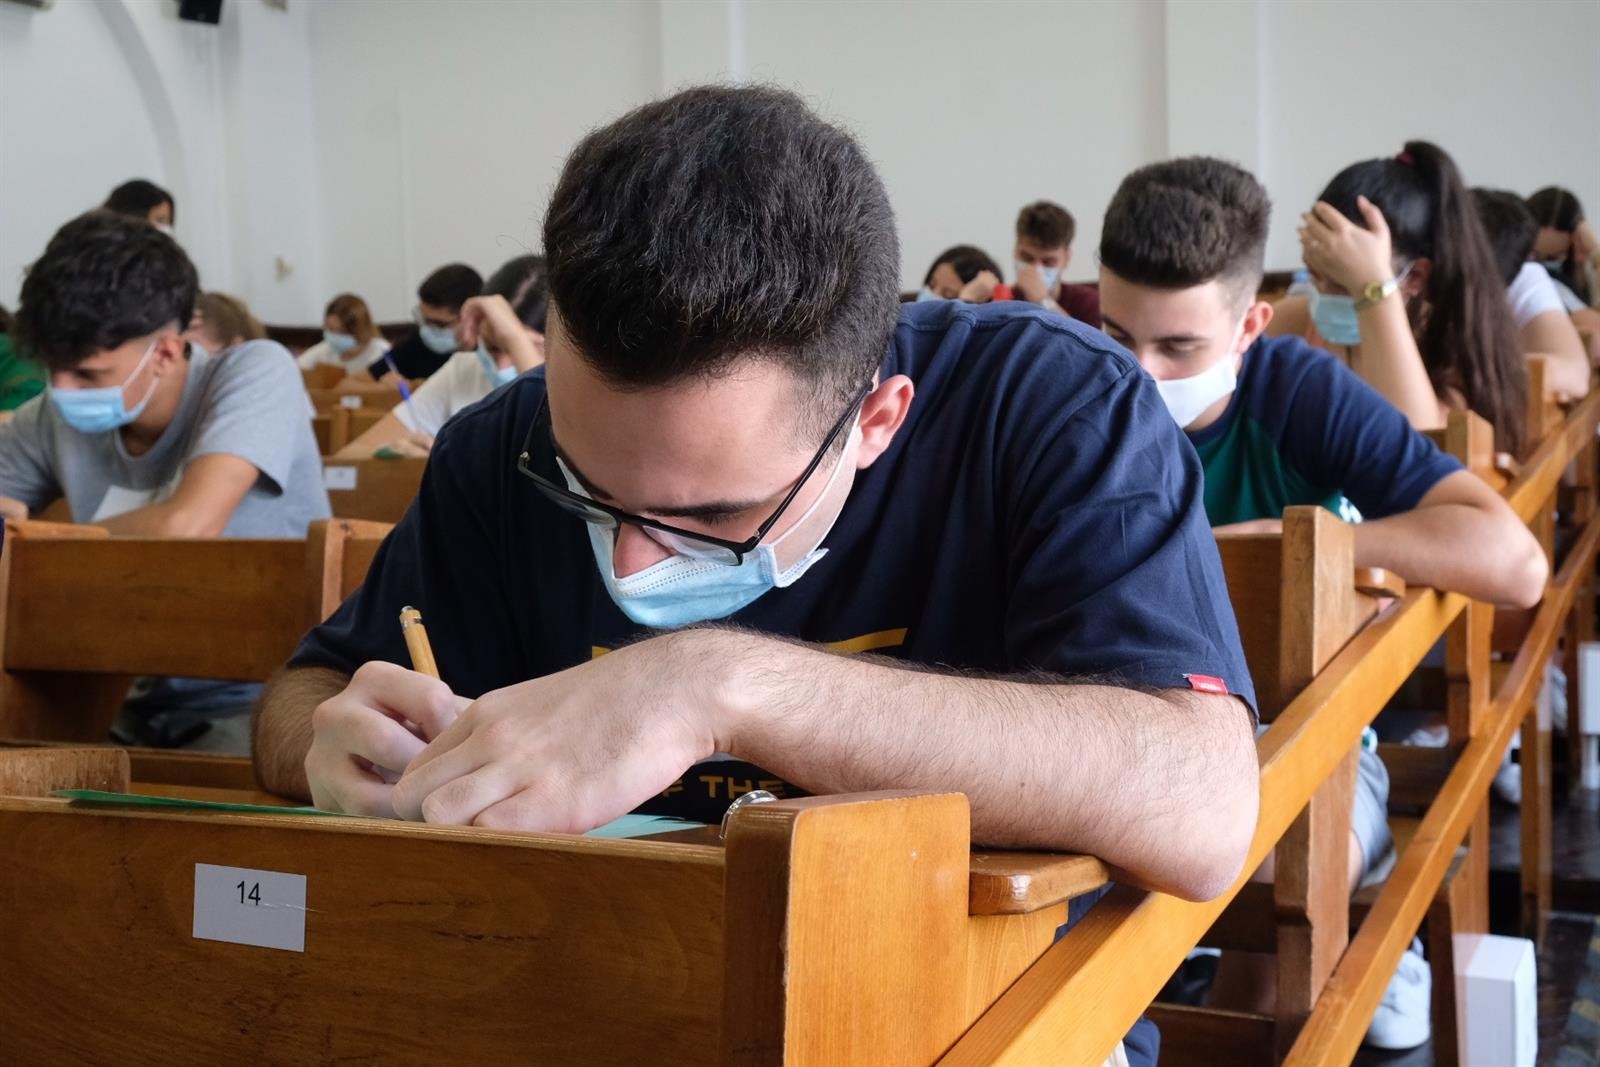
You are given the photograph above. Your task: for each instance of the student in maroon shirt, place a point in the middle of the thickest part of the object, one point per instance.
(1043, 251)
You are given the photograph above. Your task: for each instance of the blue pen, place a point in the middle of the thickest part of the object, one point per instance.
(405, 391)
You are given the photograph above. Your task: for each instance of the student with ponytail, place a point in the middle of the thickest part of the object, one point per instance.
(1406, 291)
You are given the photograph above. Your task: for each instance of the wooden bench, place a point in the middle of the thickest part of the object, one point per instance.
(228, 609)
(1299, 599)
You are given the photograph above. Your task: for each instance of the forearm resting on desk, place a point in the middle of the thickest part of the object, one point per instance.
(1163, 786)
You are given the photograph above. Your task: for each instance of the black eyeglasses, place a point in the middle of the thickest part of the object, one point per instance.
(684, 542)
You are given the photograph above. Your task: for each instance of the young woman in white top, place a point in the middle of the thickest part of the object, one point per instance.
(1544, 326)
(505, 329)
(349, 339)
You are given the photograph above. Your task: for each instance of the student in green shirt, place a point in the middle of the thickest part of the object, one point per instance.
(21, 378)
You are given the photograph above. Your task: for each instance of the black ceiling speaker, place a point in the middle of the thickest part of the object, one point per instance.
(208, 11)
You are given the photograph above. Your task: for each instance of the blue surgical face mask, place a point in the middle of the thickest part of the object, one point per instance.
(927, 294)
(1336, 317)
(1554, 265)
(1051, 275)
(99, 410)
(682, 590)
(496, 374)
(339, 342)
(440, 339)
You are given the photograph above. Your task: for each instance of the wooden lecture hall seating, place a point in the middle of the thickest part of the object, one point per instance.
(862, 929)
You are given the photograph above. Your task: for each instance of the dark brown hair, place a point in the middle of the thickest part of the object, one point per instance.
(1047, 225)
(1464, 327)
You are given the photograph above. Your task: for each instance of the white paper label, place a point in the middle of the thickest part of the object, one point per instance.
(350, 401)
(246, 907)
(338, 478)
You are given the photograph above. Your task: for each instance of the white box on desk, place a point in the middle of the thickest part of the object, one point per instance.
(1497, 1001)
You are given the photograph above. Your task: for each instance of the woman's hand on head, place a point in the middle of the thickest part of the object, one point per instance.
(1346, 254)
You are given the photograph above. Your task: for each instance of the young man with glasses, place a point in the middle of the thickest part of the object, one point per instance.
(945, 547)
(438, 319)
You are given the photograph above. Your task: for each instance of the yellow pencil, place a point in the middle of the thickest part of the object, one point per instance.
(417, 642)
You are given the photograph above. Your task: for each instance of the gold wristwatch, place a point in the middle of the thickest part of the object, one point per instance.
(1376, 293)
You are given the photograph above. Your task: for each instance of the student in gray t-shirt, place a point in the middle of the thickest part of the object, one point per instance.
(147, 435)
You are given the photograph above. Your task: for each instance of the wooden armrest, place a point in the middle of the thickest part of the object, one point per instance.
(1375, 581)
(1012, 883)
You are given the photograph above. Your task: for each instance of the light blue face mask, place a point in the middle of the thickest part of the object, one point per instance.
(496, 374)
(1336, 317)
(1050, 275)
(440, 339)
(1554, 266)
(99, 410)
(682, 590)
(339, 342)
(927, 294)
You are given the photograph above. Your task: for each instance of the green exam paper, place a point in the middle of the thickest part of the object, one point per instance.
(627, 826)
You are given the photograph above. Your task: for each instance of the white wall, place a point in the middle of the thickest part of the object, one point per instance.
(441, 127)
(94, 93)
(1510, 88)
(365, 142)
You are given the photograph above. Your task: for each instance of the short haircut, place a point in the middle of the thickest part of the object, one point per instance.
(138, 197)
(1047, 225)
(968, 261)
(1186, 222)
(724, 224)
(228, 317)
(103, 280)
(525, 284)
(1510, 226)
(450, 286)
(352, 312)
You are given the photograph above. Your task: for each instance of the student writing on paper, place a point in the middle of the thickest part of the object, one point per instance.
(437, 315)
(145, 434)
(744, 460)
(505, 331)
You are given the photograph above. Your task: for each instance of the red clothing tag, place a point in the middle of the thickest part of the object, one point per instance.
(1206, 683)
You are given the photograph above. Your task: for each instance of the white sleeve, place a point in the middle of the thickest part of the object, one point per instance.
(435, 400)
(1531, 294)
(321, 352)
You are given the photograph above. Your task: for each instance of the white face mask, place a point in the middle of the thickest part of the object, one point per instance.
(1187, 398)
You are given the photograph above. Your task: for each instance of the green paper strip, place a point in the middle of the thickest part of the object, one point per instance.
(626, 826)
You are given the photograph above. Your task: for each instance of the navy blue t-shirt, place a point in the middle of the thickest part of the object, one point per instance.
(1303, 428)
(1037, 512)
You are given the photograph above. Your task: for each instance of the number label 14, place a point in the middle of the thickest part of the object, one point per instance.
(250, 907)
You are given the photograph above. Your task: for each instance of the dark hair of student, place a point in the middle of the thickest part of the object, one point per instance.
(1510, 227)
(1464, 328)
(525, 283)
(352, 313)
(1185, 222)
(968, 261)
(228, 318)
(5, 319)
(103, 280)
(722, 224)
(138, 197)
(450, 286)
(1047, 225)
(1559, 209)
